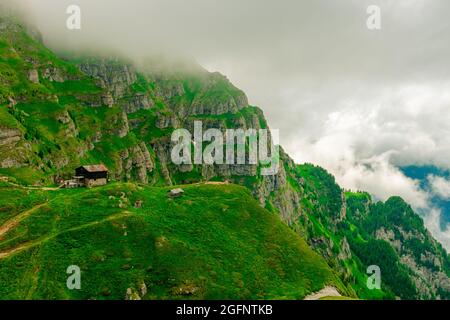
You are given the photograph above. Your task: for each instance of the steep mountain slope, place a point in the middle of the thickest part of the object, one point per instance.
(56, 114)
(353, 232)
(393, 234)
(214, 242)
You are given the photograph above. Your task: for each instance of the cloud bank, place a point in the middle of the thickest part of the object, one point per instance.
(440, 186)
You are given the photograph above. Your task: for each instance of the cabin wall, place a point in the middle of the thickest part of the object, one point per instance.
(80, 172)
(95, 182)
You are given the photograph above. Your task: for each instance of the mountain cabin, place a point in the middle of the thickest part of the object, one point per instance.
(92, 175)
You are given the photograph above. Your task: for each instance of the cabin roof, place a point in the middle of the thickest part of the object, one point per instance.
(95, 168)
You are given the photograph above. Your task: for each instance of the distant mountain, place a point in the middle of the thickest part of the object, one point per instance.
(58, 113)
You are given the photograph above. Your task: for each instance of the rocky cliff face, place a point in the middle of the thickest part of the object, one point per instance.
(109, 111)
(13, 148)
(395, 223)
(111, 75)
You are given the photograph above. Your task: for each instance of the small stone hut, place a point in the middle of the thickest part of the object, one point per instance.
(92, 175)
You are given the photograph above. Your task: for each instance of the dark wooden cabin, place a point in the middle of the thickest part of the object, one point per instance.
(92, 175)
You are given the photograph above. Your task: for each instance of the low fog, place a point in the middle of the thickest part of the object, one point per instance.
(359, 102)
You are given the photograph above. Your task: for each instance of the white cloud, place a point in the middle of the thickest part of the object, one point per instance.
(374, 173)
(364, 138)
(432, 222)
(440, 186)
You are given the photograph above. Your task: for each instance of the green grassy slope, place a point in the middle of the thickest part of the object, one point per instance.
(214, 242)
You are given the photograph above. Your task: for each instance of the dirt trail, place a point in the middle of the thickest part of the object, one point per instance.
(9, 252)
(217, 182)
(29, 245)
(11, 223)
(214, 183)
(325, 292)
(6, 179)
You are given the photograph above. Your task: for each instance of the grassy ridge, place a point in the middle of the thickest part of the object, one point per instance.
(214, 242)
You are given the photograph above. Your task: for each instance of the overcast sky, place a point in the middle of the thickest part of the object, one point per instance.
(359, 102)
